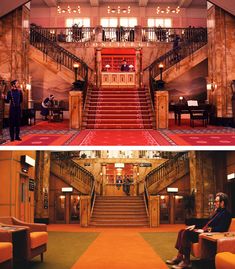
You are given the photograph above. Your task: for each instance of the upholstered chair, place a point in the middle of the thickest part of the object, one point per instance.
(36, 236)
(6, 250)
(225, 260)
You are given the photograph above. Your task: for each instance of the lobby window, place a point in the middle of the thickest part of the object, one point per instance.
(128, 22)
(164, 23)
(109, 22)
(79, 21)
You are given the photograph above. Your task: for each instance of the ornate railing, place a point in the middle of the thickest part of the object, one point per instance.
(190, 41)
(71, 172)
(118, 34)
(158, 34)
(67, 34)
(168, 171)
(44, 42)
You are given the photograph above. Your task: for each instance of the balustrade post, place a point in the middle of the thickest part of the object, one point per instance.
(138, 33)
(154, 211)
(98, 67)
(85, 209)
(75, 109)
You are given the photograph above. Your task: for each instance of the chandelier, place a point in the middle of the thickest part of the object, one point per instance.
(69, 9)
(168, 10)
(119, 10)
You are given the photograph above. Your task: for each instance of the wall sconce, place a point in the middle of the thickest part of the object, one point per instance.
(167, 10)
(28, 87)
(211, 86)
(118, 10)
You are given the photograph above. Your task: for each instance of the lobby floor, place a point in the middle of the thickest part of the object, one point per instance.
(58, 134)
(71, 246)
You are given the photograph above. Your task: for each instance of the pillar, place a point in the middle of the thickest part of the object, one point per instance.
(154, 211)
(42, 187)
(221, 55)
(139, 73)
(14, 44)
(85, 208)
(202, 180)
(98, 67)
(75, 109)
(161, 109)
(103, 177)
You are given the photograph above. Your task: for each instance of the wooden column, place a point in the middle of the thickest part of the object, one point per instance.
(98, 67)
(154, 211)
(85, 206)
(138, 77)
(42, 187)
(75, 109)
(161, 109)
(172, 208)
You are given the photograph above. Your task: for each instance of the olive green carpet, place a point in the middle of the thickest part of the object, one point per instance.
(63, 250)
(164, 245)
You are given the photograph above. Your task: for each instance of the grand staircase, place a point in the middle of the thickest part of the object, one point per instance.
(119, 211)
(118, 108)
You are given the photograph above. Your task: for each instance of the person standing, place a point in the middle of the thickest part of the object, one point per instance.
(14, 97)
(46, 103)
(125, 66)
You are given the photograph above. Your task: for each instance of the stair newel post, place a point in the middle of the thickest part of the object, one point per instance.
(85, 209)
(161, 109)
(154, 210)
(75, 109)
(98, 66)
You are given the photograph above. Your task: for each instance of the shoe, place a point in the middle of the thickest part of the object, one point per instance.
(175, 260)
(12, 139)
(182, 265)
(18, 139)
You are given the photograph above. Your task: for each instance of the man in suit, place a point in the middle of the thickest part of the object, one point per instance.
(14, 97)
(219, 222)
(118, 182)
(125, 66)
(48, 102)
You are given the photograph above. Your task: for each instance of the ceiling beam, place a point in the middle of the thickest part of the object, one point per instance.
(50, 3)
(184, 3)
(143, 3)
(94, 3)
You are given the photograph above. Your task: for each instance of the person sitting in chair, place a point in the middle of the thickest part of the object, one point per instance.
(219, 222)
(125, 66)
(48, 102)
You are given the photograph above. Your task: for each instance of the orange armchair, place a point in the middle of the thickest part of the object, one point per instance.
(36, 236)
(225, 244)
(225, 260)
(6, 250)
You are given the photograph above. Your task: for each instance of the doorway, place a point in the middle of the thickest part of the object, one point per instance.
(67, 208)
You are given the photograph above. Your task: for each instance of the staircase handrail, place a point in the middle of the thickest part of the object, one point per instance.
(93, 197)
(146, 198)
(162, 171)
(76, 171)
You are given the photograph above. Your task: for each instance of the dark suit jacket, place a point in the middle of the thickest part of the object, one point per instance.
(125, 67)
(220, 221)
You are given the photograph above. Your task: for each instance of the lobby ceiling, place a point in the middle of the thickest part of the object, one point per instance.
(181, 3)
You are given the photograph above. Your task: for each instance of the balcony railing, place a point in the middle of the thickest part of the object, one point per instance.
(77, 34)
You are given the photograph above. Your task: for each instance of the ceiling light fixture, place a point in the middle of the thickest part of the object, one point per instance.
(118, 10)
(167, 10)
(68, 9)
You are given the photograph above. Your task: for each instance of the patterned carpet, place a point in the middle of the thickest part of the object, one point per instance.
(59, 134)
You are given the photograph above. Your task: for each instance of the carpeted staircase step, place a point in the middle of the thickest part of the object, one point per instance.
(118, 108)
(119, 126)
(117, 211)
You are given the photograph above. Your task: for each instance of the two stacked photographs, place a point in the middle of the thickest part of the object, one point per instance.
(117, 138)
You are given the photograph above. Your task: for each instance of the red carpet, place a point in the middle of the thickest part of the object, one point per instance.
(119, 138)
(45, 125)
(41, 140)
(203, 139)
(118, 108)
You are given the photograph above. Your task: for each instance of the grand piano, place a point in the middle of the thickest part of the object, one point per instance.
(183, 108)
